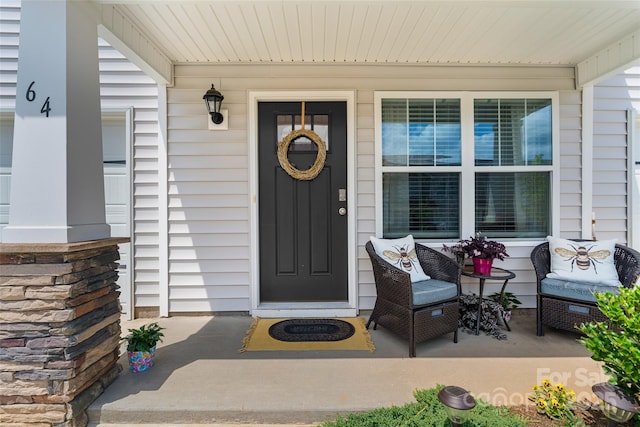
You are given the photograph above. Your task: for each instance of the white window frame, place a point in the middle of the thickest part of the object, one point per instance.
(468, 169)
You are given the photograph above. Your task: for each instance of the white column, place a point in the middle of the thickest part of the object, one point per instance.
(57, 189)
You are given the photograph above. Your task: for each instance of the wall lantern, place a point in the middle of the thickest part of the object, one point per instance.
(213, 99)
(457, 402)
(615, 404)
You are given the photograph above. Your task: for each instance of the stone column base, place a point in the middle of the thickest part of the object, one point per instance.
(59, 330)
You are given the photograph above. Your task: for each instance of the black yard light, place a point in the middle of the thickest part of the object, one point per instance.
(615, 404)
(213, 99)
(457, 401)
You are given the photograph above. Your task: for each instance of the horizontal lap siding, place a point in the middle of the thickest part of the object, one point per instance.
(10, 24)
(365, 181)
(570, 164)
(209, 224)
(122, 86)
(612, 99)
(209, 244)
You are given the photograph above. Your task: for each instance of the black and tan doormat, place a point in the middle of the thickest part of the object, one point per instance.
(295, 330)
(307, 334)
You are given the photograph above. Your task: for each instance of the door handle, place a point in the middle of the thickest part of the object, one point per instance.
(342, 211)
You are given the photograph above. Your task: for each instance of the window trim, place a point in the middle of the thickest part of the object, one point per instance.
(468, 168)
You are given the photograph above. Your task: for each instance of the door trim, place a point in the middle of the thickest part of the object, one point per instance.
(127, 291)
(338, 309)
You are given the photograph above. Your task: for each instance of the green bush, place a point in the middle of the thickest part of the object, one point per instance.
(427, 412)
(617, 346)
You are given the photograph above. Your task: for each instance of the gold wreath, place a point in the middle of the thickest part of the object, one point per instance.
(283, 149)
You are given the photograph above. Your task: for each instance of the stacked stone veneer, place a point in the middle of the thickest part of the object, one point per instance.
(59, 330)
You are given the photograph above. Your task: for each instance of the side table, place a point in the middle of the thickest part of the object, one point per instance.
(496, 273)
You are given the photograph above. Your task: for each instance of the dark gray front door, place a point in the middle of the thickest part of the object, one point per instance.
(303, 231)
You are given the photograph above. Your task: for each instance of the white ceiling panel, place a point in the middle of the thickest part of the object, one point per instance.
(536, 32)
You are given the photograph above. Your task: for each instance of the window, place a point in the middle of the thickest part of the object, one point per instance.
(453, 164)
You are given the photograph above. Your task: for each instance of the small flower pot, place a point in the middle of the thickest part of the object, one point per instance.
(482, 266)
(140, 361)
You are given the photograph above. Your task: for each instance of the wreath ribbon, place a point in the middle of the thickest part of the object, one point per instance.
(283, 151)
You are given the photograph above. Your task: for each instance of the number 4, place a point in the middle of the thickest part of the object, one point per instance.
(46, 107)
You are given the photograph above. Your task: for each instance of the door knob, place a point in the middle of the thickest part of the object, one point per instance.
(342, 211)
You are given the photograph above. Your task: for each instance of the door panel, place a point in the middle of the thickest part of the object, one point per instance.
(303, 243)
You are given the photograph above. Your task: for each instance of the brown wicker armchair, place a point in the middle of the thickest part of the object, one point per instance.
(567, 313)
(394, 308)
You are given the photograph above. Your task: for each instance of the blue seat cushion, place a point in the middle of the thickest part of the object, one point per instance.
(574, 290)
(432, 290)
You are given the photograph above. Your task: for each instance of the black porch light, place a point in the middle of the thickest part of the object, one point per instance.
(213, 99)
(615, 404)
(457, 402)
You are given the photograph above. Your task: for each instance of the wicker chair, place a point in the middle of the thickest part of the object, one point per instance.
(394, 308)
(567, 313)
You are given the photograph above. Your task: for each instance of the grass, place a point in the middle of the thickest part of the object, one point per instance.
(427, 411)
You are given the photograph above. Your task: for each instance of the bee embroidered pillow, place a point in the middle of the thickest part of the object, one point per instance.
(402, 254)
(589, 261)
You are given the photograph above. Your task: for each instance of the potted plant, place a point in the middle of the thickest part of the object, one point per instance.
(482, 251)
(492, 312)
(141, 346)
(507, 300)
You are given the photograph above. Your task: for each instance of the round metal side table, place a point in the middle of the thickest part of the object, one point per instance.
(496, 273)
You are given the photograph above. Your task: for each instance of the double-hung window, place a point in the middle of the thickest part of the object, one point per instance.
(452, 164)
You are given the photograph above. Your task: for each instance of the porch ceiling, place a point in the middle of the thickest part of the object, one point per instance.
(476, 32)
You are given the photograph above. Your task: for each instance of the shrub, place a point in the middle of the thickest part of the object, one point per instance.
(618, 345)
(428, 412)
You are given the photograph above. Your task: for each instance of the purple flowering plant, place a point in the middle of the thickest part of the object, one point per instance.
(478, 247)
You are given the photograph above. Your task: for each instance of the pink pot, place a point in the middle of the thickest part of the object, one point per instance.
(482, 266)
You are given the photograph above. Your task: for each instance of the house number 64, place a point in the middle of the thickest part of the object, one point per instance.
(31, 96)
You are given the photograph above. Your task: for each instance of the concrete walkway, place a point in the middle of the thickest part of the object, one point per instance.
(201, 378)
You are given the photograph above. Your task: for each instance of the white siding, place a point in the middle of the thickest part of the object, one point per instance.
(612, 99)
(570, 164)
(209, 241)
(122, 86)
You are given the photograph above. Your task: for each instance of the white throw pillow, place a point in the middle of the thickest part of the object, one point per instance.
(402, 254)
(589, 262)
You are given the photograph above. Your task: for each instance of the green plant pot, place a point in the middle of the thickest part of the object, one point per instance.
(140, 361)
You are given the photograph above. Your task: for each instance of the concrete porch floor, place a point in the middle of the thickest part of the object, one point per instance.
(200, 377)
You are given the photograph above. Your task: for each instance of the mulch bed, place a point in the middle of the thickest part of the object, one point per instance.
(591, 417)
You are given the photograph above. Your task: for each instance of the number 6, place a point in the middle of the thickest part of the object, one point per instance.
(31, 94)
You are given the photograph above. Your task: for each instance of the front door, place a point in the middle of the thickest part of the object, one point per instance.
(303, 222)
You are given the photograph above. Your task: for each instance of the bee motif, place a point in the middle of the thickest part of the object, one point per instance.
(582, 256)
(402, 257)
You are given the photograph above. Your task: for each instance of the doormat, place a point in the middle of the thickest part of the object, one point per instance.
(294, 330)
(307, 334)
